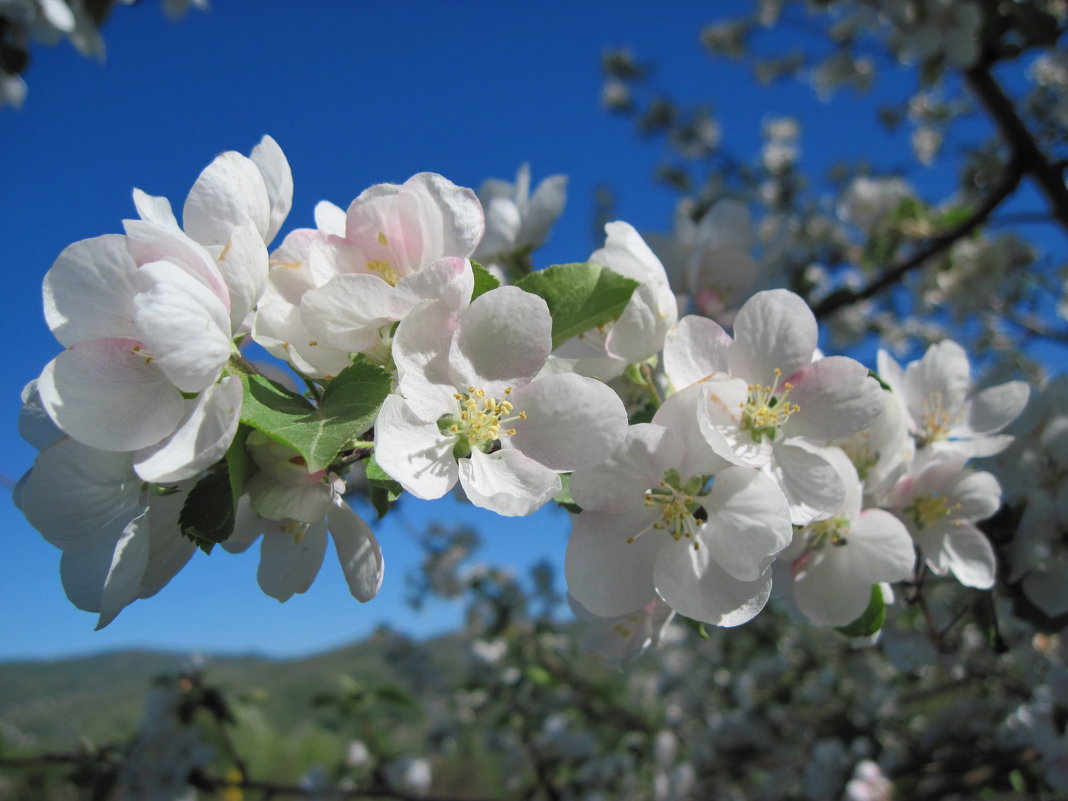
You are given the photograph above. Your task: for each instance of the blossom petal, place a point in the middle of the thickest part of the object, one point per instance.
(201, 438)
(619, 482)
(811, 484)
(347, 311)
(748, 522)
(503, 340)
(185, 326)
(836, 398)
(243, 263)
(107, 394)
(773, 330)
(278, 179)
(154, 209)
(507, 482)
(571, 421)
(290, 563)
(694, 350)
(358, 551)
(693, 584)
(995, 407)
(228, 193)
(89, 291)
(413, 451)
(605, 572)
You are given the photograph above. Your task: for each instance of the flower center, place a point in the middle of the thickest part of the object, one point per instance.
(928, 509)
(481, 419)
(936, 420)
(827, 532)
(384, 267)
(764, 411)
(677, 508)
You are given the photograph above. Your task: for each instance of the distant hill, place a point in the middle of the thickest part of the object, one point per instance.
(51, 704)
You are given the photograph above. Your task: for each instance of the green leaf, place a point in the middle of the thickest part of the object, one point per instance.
(348, 408)
(873, 618)
(384, 489)
(207, 516)
(580, 296)
(238, 466)
(484, 280)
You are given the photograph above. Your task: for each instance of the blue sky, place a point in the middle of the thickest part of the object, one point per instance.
(356, 94)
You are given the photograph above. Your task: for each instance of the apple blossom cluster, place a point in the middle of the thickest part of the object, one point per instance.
(701, 467)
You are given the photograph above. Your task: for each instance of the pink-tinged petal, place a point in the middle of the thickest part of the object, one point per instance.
(290, 562)
(89, 291)
(106, 393)
(184, 325)
(836, 398)
(748, 522)
(75, 493)
(943, 374)
(201, 438)
(571, 421)
(228, 193)
(279, 328)
(503, 340)
(278, 180)
(243, 264)
(149, 242)
(451, 216)
(413, 451)
(974, 496)
(507, 482)
(994, 408)
(307, 503)
(693, 584)
(678, 414)
(449, 280)
(618, 483)
(605, 572)
(347, 312)
(810, 483)
(103, 573)
(719, 416)
(330, 217)
(154, 209)
(358, 551)
(168, 550)
(773, 330)
(694, 350)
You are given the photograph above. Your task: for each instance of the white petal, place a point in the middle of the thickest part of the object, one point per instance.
(679, 414)
(35, 426)
(974, 496)
(605, 573)
(544, 209)
(269, 498)
(89, 291)
(694, 350)
(640, 330)
(413, 451)
(122, 584)
(278, 179)
(836, 398)
(719, 415)
(107, 394)
(421, 353)
(693, 584)
(748, 522)
(347, 311)
(228, 193)
(243, 264)
(149, 242)
(812, 486)
(618, 484)
(289, 563)
(507, 482)
(970, 556)
(773, 330)
(449, 280)
(358, 551)
(503, 340)
(943, 374)
(169, 550)
(571, 421)
(200, 440)
(995, 407)
(75, 493)
(330, 218)
(154, 209)
(185, 326)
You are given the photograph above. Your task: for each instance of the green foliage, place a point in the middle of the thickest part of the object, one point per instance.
(873, 618)
(384, 490)
(580, 296)
(209, 511)
(484, 280)
(318, 433)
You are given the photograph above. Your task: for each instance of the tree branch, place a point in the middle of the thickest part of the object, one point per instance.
(1010, 179)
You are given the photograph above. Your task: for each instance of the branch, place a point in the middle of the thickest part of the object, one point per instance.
(1048, 175)
(1010, 179)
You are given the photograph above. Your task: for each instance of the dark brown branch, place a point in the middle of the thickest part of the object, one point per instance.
(1010, 179)
(1048, 175)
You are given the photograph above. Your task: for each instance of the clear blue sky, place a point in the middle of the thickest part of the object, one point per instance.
(356, 94)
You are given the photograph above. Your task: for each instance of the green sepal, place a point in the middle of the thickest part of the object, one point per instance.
(580, 296)
(563, 497)
(484, 280)
(872, 619)
(209, 512)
